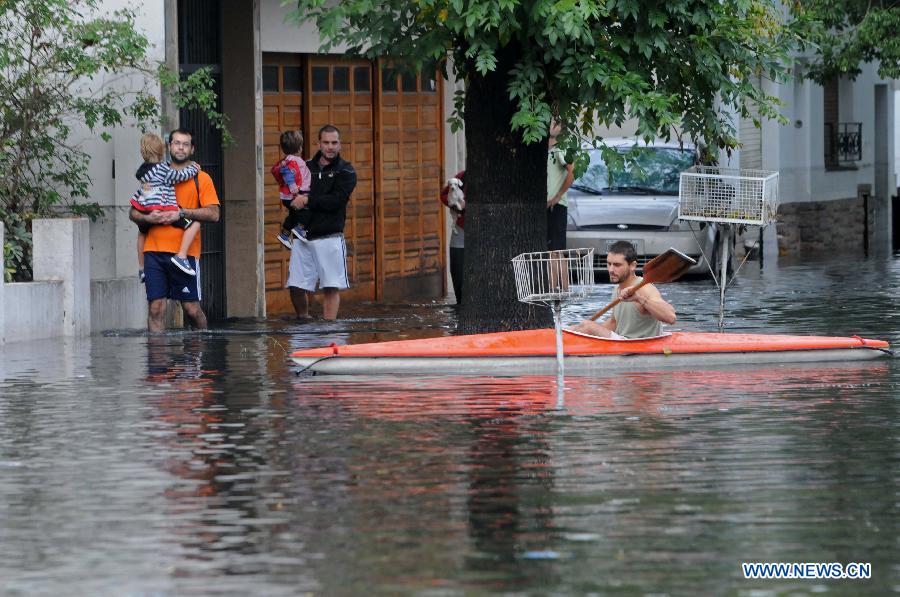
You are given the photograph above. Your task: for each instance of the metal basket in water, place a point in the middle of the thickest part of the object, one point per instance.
(552, 278)
(549, 277)
(728, 195)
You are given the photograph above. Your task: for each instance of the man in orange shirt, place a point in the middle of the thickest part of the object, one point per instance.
(198, 201)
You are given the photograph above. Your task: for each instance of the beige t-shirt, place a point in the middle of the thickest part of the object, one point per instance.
(556, 173)
(630, 322)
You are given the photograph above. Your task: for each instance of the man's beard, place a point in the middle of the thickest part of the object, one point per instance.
(180, 161)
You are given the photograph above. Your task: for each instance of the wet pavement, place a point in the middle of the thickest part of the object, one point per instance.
(200, 464)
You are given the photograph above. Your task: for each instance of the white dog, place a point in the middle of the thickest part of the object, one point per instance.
(456, 198)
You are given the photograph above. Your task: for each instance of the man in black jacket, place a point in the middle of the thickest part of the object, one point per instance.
(321, 258)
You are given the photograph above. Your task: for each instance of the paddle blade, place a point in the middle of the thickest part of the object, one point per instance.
(667, 267)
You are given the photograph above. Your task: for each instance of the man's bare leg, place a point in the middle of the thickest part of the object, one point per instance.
(156, 316)
(593, 328)
(330, 303)
(195, 314)
(300, 300)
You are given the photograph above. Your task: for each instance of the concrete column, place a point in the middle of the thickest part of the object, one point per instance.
(884, 172)
(170, 112)
(2, 286)
(243, 169)
(62, 251)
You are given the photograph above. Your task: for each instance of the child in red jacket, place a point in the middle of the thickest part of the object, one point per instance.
(293, 178)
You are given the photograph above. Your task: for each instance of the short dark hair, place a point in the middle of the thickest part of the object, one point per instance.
(329, 128)
(624, 248)
(180, 131)
(291, 142)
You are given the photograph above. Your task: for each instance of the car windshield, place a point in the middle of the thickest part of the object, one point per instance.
(653, 170)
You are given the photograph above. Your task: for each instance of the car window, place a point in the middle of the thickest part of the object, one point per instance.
(655, 170)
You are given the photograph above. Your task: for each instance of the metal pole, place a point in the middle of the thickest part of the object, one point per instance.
(723, 276)
(866, 224)
(557, 324)
(761, 228)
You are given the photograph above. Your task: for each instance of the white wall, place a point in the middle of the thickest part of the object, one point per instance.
(63, 301)
(278, 36)
(2, 286)
(113, 237)
(118, 304)
(896, 138)
(797, 150)
(454, 143)
(33, 310)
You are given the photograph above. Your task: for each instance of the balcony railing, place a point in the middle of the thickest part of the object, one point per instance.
(843, 143)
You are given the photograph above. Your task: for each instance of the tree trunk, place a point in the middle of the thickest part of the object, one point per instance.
(506, 199)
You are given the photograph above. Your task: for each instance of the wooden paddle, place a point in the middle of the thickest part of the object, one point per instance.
(665, 267)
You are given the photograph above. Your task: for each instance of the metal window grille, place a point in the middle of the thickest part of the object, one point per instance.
(199, 45)
(843, 143)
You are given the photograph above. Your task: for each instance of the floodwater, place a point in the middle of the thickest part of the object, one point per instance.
(192, 464)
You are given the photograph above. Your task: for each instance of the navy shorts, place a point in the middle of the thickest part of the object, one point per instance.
(557, 220)
(163, 279)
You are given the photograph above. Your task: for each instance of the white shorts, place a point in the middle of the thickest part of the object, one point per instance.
(322, 261)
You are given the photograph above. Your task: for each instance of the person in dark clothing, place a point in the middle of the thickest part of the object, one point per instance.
(322, 260)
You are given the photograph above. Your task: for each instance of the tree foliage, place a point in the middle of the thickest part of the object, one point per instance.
(65, 65)
(674, 66)
(844, 34)
(666, 63)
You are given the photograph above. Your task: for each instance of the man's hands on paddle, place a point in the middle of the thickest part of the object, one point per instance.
(642, 296)
(628, 295)
(650, 302)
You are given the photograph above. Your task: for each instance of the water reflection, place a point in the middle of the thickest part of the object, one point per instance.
(660, 473)
(651, 391)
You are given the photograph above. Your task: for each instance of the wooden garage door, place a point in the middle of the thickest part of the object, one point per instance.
(391, 129)
(409, 176)
(341, 94)
(283, 83)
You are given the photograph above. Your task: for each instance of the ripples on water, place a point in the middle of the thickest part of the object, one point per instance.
(198, 463)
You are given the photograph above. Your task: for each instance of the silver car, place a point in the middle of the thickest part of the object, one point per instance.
(639, 205)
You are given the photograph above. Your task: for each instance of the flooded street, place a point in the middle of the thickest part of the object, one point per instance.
(201, 464)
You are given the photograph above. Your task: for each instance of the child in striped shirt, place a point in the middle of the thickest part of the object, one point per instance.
(157, 192)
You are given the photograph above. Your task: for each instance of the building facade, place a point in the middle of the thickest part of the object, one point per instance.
(836, 157)
(271, 76)
(836, 160)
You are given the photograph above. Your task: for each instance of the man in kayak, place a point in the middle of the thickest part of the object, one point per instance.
(640, 314)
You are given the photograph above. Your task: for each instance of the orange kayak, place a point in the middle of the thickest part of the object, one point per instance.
(534, 351)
